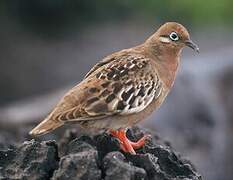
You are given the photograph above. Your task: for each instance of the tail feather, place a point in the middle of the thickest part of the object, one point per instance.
(45, 127)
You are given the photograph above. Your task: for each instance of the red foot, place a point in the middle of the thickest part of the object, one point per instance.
(127, 145)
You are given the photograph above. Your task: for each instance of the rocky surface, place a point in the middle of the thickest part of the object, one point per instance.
(31, 160)
(94, 157)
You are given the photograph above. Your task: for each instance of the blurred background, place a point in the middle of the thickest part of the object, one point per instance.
(46, 47)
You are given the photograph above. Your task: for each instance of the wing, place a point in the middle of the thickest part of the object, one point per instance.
(122, 86)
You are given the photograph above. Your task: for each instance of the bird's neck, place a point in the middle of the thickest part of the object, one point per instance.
(167, 67)
(166, 62)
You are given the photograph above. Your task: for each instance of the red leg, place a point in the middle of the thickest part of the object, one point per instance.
(114, 133)
(140, 142)
(127, 145)
(119, 137)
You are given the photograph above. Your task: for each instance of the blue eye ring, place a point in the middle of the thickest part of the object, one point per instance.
(173, 36)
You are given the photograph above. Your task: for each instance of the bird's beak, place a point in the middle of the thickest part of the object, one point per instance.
(192, 45)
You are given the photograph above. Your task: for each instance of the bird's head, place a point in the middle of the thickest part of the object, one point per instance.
(173, 37)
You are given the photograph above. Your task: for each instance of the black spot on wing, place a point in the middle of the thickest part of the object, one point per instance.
(128, 64)
(132, 100)
(110, 74)
(103, 77)
(121, 68)
(104, 85)
(116, 77)
(144, 62)
(124, 72)
(134, 61)
(129, 82)
(105, 93)
(125, 96)
(110, 98)
(93, 90)
(149, 91)
(92, 100)
(117, 87)
(121, 105)
(141, 92)
(98, 74)
(131, 90)
(134, 68)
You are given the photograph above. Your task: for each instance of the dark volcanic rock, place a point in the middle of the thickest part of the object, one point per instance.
(80, 163)
(31, 160)
(161, 163)
(95, 158)
(117, 167)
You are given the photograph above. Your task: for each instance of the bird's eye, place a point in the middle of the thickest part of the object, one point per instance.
(174, 37)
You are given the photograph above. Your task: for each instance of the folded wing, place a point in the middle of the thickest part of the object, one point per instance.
(123, 86)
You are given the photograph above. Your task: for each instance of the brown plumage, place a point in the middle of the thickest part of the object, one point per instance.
(123, 88)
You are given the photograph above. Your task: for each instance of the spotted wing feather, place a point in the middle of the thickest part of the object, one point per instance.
(122, 86)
